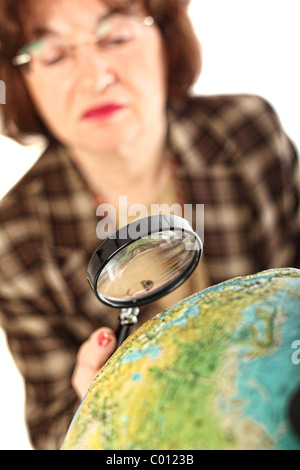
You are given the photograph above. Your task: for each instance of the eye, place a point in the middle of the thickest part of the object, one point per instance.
(116, 31)
(54, 61)
(55, 58)
(52, 53)
(116, 40)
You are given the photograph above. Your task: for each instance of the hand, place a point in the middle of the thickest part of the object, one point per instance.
(92, 355)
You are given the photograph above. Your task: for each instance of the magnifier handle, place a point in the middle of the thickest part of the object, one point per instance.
(127, 318)
(122, 333)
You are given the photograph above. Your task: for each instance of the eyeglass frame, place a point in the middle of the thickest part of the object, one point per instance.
(27, 58)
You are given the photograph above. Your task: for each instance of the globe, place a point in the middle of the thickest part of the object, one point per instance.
(217, 371)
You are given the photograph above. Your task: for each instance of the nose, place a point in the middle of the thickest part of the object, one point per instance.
(93, 71)
(92, 82)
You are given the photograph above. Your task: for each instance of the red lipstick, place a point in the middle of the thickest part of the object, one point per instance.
(102, 112)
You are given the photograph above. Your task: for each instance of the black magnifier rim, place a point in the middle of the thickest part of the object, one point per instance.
(113, 244)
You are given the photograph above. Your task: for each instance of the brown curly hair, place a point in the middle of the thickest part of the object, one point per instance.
(183, 51)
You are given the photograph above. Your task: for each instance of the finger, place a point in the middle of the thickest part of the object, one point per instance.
(92, 355)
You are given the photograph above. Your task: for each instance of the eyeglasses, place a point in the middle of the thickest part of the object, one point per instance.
(116, 35)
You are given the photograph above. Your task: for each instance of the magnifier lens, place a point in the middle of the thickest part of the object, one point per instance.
(149, 264)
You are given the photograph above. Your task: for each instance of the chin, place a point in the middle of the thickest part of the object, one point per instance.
(94, 147)
(112, 140)
(103, 139)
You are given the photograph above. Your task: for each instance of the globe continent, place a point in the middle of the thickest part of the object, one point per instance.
(216, 371)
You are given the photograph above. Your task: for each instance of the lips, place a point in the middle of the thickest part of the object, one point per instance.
(103, 111)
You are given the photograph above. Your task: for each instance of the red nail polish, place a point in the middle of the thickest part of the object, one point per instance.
(103, 339)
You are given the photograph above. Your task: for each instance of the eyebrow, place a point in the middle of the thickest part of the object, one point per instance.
(40, 32)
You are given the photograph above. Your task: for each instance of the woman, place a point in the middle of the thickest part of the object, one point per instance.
(108, 84)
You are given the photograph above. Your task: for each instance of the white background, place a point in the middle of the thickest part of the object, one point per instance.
(249, 46)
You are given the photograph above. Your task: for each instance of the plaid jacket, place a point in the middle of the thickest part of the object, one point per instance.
(234, 158)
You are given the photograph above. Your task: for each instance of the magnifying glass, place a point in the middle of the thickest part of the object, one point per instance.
(141, 263)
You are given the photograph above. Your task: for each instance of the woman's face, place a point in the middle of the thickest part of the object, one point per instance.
(96, 100)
